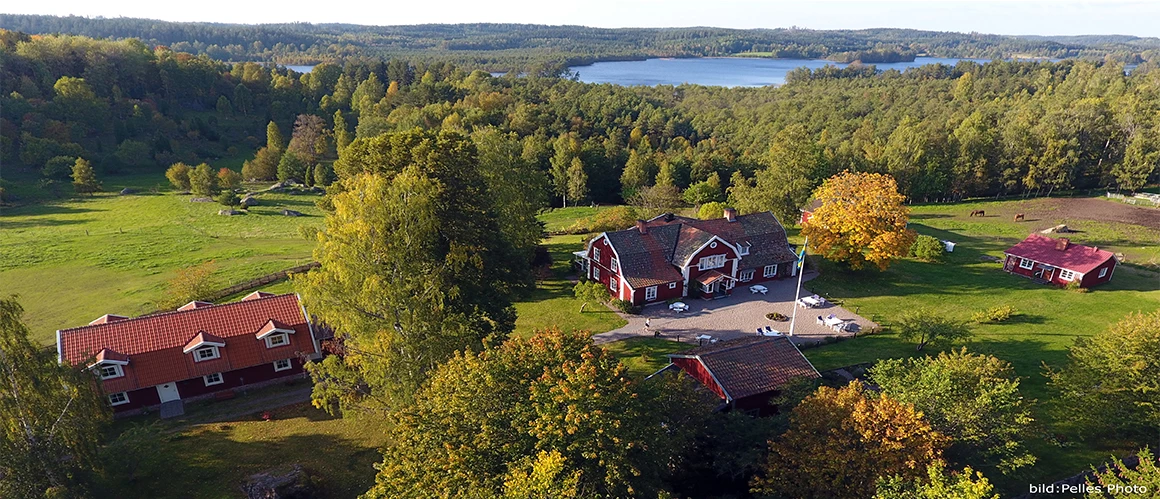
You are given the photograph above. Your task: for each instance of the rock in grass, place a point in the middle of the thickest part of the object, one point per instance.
(249, 201)
(201, 200)
(230, 212)
(291, 213)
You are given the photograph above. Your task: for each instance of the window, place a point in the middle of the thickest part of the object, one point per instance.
(213, 379)
(613, 266)
(111, 371)
(650, 293)
(712, 262)
(713, 244)
(672, 285)
(1026, 264)
(1103, 272)
(595, 273)
(770, 270)
(206, 353)
(743, 249)
(282, 365)
(277, 340)
(118, 398)
(1066, 275)
(596, 254)
(747, 275)
(708, 287)
(613, 285)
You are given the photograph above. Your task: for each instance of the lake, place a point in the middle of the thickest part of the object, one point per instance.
(720, 71)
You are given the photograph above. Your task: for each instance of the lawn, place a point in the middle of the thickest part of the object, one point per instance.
(1049, 318)
(75, 259)
(645, 356)
(552, 302)
(558, 219)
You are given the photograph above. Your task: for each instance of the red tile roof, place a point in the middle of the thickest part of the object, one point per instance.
(201, 339)
(106, 355)
(751, 365)
(271, 326)
(257, 294)
(195, 304)
(1076, 257)
(153, 343)
(107, 318)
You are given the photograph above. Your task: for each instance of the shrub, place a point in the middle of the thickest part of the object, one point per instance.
(1074, 286)
(927, 249)
(612, 219)
(227, 198)
(626, 307)
(229, 179)
(178, 175)
(711, 210)
(994, 314)
(774, 316)
(59, 167)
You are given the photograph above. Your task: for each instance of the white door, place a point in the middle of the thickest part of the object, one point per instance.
(168, 392)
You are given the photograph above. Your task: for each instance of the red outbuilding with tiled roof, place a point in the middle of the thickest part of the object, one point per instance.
(193, 352)
(1060, 261)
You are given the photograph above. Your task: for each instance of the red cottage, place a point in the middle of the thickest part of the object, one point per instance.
(193, 352)
(671, 256)
(1059, 261)
(746, 372)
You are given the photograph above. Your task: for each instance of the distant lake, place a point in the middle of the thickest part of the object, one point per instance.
(300, 69)
(720, 71)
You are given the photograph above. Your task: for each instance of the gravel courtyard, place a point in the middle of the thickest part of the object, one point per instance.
(736, 315)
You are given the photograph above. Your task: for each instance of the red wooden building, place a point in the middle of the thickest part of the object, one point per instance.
(746, 372)
(672, 256)
(1059, 261)
(193, 352)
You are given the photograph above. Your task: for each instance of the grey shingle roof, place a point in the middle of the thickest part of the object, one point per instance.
(752, 365)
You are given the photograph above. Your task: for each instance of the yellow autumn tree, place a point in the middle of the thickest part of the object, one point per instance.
(841, 441)
(861, 220)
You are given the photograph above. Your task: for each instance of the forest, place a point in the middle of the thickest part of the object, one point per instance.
(971, 130)
(516, 47)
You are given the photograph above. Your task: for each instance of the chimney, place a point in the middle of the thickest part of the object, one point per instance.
(1095, 249)
(1062, 243)
(730, 214)
(641, 226)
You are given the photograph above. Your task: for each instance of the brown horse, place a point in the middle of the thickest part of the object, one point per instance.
(1019, 216)
(978, 213)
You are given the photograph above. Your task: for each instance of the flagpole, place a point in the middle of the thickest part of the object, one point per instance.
(801, 270)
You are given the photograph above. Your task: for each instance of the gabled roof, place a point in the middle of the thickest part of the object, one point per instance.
(155, 342)
(203, 338)
(106, 356)
(107, 318)
(195, 304)
(257, 294)
(273, 326)
(751, 365)
(1076, 257)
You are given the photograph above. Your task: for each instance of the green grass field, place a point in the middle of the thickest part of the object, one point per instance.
(76, 259)
(558, 219)
(645, 356)
(554, 304)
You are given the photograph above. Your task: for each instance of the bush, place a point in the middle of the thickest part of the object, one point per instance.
(626, 307)
(774, 316)
(229, 179)
(59, 167)
(227, 198)
(1074, 286)
(178, 175)
(709, 211)
(612, 219)
(994, 314)
(927, 249)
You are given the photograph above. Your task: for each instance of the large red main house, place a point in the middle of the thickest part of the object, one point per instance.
(193, 352)
(671, 256)
(1059, 261)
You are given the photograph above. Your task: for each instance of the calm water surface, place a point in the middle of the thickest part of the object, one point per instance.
(719, 71)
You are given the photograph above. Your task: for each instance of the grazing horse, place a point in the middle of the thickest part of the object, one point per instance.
(1019, 216)
(978, 213)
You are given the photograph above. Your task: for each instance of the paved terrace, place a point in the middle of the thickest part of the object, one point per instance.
(737, 315)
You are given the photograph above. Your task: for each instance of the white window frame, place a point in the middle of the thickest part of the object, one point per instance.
(1103, 272)
(1026, 263)
(117, 371)
(596, 254)
(614, 284)
(613, 265)
(769, 271)
(218, 376)
(708, 287)
(270, 340)
(746, 275)
(197, 357)
(1066, 275)
(124, 399)
(742, 249)
(650, 293)
(595, 273)
(711, 262)
(288, 365)
(672, 285)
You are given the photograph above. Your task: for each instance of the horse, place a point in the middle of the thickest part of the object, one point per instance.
(978, 213)
(1019, 216)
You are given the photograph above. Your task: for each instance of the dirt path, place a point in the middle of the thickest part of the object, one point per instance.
(1087, 209)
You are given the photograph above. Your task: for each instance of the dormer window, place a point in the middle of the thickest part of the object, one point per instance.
(110, 371)
(743, 249)
(277, 340)
(206, 353)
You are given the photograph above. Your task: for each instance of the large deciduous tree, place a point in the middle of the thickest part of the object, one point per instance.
(840, 441)
(1122, 482)
(84, 179)
(861, 220)
(974, 399)
(923, 327)
(1109, 385)
(50, 416)
(552, 412)
(793, 164)
(517, 190)
(967, 484)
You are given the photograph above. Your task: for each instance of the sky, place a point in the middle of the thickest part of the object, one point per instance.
(1010, 17)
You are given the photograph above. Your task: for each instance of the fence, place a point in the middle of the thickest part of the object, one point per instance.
(1143, 198)
(261, 281)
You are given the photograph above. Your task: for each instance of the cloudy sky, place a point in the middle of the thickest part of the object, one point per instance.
(1063, 17)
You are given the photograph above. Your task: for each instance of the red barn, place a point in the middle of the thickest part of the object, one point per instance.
(1059, 261)
(746, 372)
(808, 211)
(193, 352)
(672, 256)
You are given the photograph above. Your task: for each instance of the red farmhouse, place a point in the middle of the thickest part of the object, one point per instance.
(1059, 261)
(193, 352)
(745, 373)
(672, 256)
